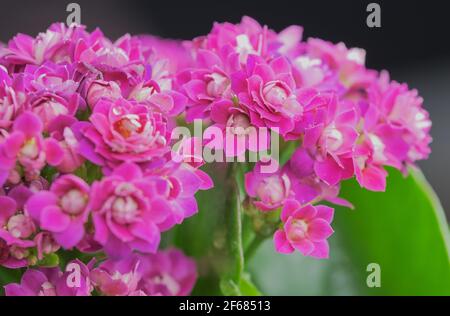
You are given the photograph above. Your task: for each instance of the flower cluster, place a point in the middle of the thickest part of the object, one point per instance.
(167, 273)
(348, 121)
(86, 159)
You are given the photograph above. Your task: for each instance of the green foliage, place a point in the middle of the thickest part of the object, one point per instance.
(403, 230)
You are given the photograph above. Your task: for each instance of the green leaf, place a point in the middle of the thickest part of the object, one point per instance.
(8, 276)
(247, 288)
(403, 230)
(229, 288)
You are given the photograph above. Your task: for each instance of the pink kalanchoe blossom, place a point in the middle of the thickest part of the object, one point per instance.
(305, 229)
(123, 131)
(26, 146)
(61, 131)
(269, 191)
(168, 55)
(177, 184)
(171, 103)
(207, 83)
(239, 133)
(59, 79)
(100, 89)
(268, 94)
(16, 230)
(189, 150)
(347, 75)
(117, 277)
(45, 244)
(48, 107)
(167, 273)
(52, 282)
(305, 185)
(126, 212)
(402, 109)
(223, 52)
(245, 38)
(52, 91)
(331, 136)
(56, 45)
(12, 99)
(63, 210)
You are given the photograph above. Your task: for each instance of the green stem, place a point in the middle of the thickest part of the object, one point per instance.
(253, 247)
(234, 223)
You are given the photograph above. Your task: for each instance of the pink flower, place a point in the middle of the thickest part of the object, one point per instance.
(63, 210)
(239, 133)
(102, 89)
(123, 131)
(52, 282)
(16, 230)
(268, 190)
(45, 244)
(167, 273)
(306, 229)
(117, 278)
(26, 146)
(177, 184)
(330, 135)
(402, 109)
(52, 90)
(59, 79)
(49, 107)
(12, 98)
(268, 94)
(61, 131)
(306, 186)
(369, 174)
(171, 103)
(55, 45)
(348, 76)
(126, 212)
(168, 55)
(245, 38)
(207, 83)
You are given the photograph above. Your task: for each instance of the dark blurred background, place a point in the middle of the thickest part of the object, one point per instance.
(413, 42)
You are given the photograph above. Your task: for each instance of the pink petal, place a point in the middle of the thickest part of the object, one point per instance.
(325, 212)
(71, 236)
(7, 209)
(53, 151)
(54, 220)
(321, 250)
(305, 246)
(29, 124)
(307, 213)
(38, 202)
(101, 229)
(319, 229)
(282, 245)
(373, 178)
(328, 171)
(128, 171)
(15, 289)
(290, 206)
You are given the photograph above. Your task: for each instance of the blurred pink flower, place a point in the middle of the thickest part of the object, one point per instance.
(306, 229)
